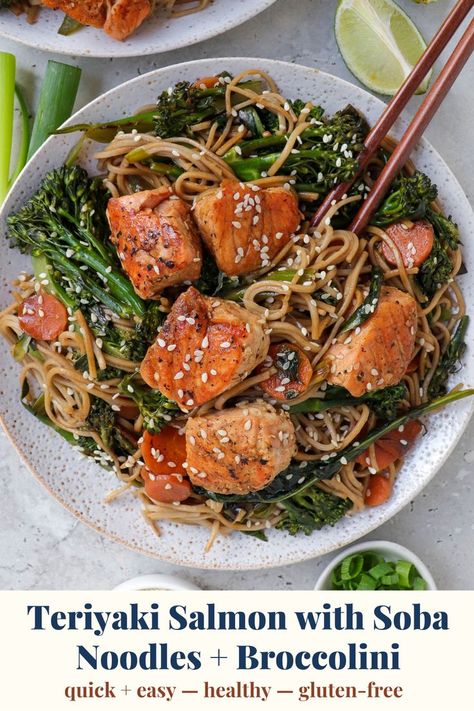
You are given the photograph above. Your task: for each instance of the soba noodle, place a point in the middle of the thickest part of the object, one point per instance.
(329, 263)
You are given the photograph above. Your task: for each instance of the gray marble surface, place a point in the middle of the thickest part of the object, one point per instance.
(43, 547)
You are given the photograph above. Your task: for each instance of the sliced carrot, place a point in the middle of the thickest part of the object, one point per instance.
(166, 488)
(294, 371)
(392, 446)
(42, 316)
(378, 491)
(208, 82)
(165, 452)
(414, 243)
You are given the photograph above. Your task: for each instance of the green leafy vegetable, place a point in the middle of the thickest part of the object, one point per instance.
(250, 118)
(157, 411)
(369, 304)
(449, 361)
(187, 104)
(384, 403)
(65, 222)
(212, 281)
(324, 157)
(409, 198)
(437, 269)
(311, 510)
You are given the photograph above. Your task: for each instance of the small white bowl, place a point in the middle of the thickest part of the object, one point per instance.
(390, 551)
(156, 582)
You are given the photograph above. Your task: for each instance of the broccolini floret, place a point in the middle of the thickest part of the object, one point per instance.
(187, 104)
(409, 198)
(311, 510)
(64, 223)
(450, 360)
(437, 269)
(325, 156)
(154, 407)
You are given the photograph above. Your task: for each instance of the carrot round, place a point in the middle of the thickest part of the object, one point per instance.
(294, 371)
(164, 452)
(166, 488)
(208, 82)
(392, 446)
(414, 243)
(42, 316)
(378, 490)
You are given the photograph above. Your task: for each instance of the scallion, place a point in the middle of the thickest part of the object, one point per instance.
(57, 97)
(370, 571)
(7, 98)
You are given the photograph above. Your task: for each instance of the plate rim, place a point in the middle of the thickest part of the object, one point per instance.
(95, 53)
(348, 537)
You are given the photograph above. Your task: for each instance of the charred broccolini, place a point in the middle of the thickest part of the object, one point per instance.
(325, 156)
(64, 222)
(410, 198)
(311, 510)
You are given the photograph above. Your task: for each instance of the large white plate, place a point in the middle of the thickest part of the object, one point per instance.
(81, 485)
(159, 34)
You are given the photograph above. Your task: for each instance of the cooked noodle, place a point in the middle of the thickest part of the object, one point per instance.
(336, 263)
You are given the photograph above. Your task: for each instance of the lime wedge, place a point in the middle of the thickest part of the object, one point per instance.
(379, 43)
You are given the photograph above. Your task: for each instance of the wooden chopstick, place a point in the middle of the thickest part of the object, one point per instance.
(416, 128)
(399, 101)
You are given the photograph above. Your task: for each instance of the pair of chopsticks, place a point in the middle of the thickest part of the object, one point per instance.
(417, 126)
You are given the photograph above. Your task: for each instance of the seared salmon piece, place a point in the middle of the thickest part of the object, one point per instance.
(245, 228)
(206, 346)
(377, 354)
(156, 240)
(240, 449)
(125, 16)
(87, 12)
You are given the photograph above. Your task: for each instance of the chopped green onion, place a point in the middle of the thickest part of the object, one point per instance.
(20, 349)
(57, 97)
(25, 136)
(419, 583)
(69, 26)
(7, 98)
(380, 570)
(366, 582)
(351, 567)
(370, 571)
(406, 573)
(390, 580)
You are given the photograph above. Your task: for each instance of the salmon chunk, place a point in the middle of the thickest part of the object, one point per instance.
(244, 227)
(239, 450)
(119, 18)
(87, 12)
(377, 354)
(156, 240)
(206, 346)
(125, 16)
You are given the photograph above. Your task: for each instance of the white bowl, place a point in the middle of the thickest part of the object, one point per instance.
(158, 34)
(390, 551)
(156, 581)
(81, 486)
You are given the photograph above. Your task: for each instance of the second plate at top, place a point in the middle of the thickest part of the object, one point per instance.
(159, 34)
